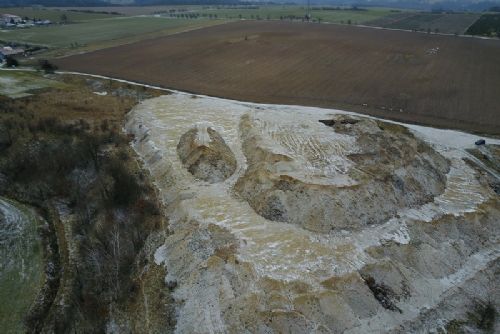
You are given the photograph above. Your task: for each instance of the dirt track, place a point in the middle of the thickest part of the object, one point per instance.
(438, 80)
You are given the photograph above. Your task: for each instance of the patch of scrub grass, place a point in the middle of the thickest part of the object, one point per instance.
(22, 264)
(16, 84)
(484, 317)
(480, 320)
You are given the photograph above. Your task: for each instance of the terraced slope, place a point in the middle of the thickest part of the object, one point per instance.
(430, 264)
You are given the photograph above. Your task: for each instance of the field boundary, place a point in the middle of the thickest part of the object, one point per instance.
(257, 104)
(145, 39)
(420, 32)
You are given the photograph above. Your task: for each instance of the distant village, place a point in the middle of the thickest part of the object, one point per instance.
(9, 21)
(14, 21)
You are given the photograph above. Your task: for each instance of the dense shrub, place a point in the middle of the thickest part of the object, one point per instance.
(11, 62)
(87, 167)
(46, 66)
(125, 190)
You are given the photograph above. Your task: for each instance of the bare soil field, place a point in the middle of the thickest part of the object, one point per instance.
(444, 81)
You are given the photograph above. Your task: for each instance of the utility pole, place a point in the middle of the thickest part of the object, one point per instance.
(308, 13)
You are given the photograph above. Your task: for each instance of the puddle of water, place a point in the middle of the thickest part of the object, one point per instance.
(17, 84)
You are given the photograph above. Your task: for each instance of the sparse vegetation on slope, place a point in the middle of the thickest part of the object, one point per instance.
(64, 153)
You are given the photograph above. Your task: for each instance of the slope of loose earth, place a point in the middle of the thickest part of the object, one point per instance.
(430, 264)
(358, 175)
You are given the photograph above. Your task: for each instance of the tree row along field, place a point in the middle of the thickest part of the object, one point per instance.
(81, 29)
(425, 78)
(324, 14)
(257, 11)
(443, 22)
(55, 14)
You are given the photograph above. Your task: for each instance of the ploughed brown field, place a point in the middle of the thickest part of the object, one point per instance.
(438, 80)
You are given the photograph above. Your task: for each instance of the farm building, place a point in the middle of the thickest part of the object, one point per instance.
(9, 51)
(9, 19)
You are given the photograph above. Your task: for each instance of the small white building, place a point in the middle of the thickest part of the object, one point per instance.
(10, 51)
(43, 22)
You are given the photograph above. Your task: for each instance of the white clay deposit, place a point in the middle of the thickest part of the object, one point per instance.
(384, 259)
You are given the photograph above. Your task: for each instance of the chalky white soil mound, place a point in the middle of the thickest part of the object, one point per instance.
(287, 219)
(339, 173)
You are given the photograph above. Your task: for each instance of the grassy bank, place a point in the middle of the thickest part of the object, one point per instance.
(21, 263)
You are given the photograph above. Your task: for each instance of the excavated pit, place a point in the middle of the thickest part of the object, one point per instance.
(331, 222)
(205, 154)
